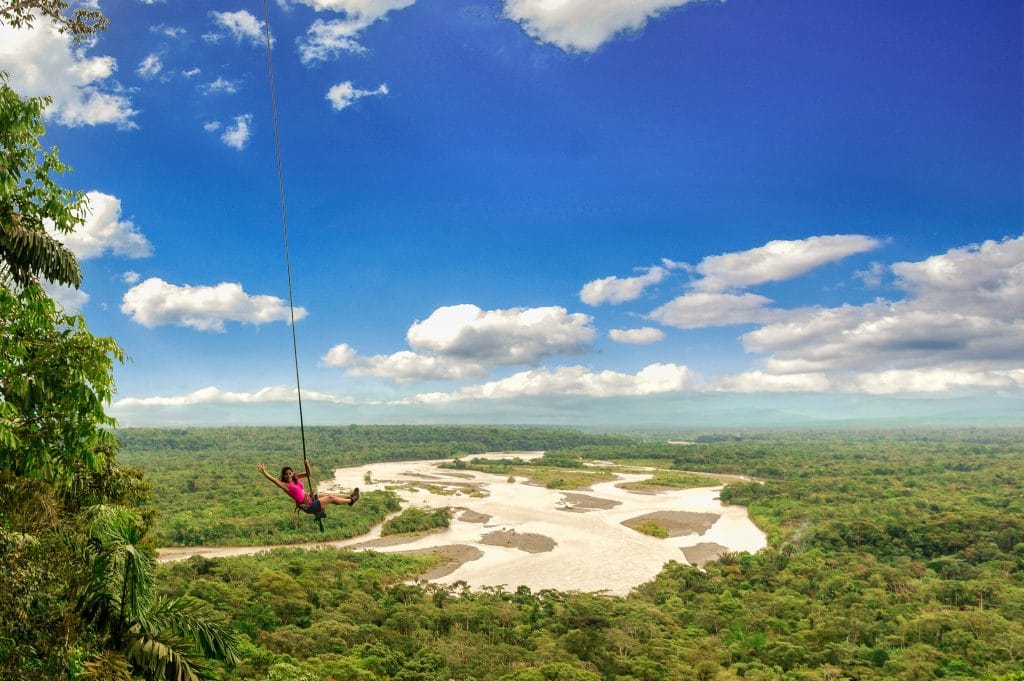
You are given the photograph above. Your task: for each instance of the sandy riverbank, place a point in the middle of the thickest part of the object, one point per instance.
(514, 533)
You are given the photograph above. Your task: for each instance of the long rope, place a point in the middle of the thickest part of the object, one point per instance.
(284, 224)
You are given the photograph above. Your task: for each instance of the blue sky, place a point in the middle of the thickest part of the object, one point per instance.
(590, 212)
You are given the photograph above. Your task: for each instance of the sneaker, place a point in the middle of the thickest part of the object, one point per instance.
(354, 497)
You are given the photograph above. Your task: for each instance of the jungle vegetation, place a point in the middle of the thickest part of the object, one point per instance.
(893, 555)
(76, 568)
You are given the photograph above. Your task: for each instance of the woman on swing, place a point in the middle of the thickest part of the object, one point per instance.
(291, 484)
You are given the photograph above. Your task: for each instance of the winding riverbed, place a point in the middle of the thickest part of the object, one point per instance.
(512, 533)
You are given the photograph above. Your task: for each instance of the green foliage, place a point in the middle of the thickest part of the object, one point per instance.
(552, 473)
(80, 23)
(653, 529)
(55, 380)
(817, 604)
(661, 478)
(413, 520)
(30, 199)
(158, 637)
(559, 671)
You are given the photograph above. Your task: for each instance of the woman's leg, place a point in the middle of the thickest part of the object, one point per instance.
(337, 499)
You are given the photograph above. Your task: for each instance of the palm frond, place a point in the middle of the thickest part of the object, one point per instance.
(32, 252)
(196, 621)
(165, 656)
(107, 666)
(121, 572)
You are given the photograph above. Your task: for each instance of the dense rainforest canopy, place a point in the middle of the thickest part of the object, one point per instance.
(893, 555)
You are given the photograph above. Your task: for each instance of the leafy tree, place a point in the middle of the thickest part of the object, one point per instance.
(55, 379)
(158, 637)
(77, 579)
(30, 199)
(81, 23)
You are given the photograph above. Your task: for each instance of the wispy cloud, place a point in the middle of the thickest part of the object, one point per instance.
(169, 31)
(344, 94)
(576, 381)
(643, 336)
(214, 395)
(220, 85)
(715, 298)
(241, 25)
(698, 310)
(777, 261)
(327, 39)
(150, 66)
(237, 134)
(615, 290)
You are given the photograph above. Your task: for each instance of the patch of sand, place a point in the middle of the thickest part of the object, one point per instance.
(456, 555)
(678, 523)
(702, 553)
(471, 516)
(391, 540)
(454, 474)
(524, 541)
(581, 503)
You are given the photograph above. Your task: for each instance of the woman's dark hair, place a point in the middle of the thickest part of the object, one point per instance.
(286, 469)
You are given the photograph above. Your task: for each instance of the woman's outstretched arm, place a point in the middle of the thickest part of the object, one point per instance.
(271, 478)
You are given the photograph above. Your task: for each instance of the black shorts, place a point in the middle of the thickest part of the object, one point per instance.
(312, 507)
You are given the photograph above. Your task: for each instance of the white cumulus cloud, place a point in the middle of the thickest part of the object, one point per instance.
(614, 290)
(402, 366)
(237, 134)
(192, 72)
(463, 341)
(43, 62)
(104, 231)
(777, 261)
(343, 94)
(502, 337)
(243, 26)
(155, 302)
(584, 25)
(214, 395)
(644, 336)
(960, 325)
(575, 381)
(211, 126)
(130, 277)
(327, 39)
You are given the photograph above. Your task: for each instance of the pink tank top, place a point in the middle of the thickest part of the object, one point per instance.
(296, 491)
